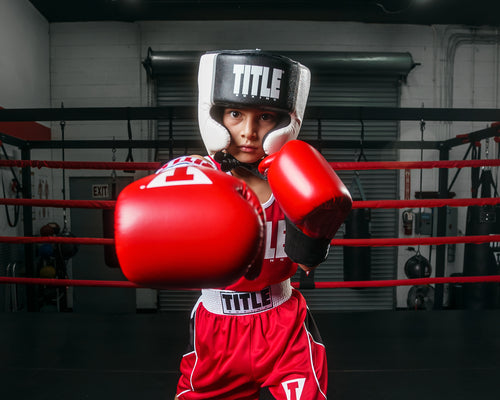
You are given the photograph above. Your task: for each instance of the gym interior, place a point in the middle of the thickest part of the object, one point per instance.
(97, 94)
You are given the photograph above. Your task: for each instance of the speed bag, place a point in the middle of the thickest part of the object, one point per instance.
(357, 260)
(479, 259)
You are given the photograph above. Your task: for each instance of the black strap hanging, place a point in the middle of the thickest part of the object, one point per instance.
(64, 250)
(476, 171)
(16, 185)
(108, 222)
(485, 180)
(130, 156)
(12, 223)
(361, 156)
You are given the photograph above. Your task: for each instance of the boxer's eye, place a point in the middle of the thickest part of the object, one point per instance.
(268, 117)
(234, 114)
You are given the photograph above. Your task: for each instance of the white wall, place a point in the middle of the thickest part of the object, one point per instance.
(24, 72)
(24, 45)
(99, 65)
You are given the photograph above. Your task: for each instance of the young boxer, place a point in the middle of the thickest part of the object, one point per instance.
(256, 338)
(252, 336)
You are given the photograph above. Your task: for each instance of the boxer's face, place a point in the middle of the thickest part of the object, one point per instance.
(247, 128)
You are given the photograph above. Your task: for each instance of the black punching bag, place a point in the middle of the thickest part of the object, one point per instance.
(357, 260)
(479, 259)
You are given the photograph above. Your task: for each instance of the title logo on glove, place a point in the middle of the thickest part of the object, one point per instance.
(256, 80)
(179, 176)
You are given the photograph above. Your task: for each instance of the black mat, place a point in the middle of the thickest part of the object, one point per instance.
(372, 355)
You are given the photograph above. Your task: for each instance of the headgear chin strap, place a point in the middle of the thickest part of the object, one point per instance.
(227, 162)
(250, 79)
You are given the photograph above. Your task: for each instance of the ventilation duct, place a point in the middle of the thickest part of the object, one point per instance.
(158, 63)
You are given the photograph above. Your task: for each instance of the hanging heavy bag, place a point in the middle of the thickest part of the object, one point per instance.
(108, 232)
(479, 259)
(357, 260)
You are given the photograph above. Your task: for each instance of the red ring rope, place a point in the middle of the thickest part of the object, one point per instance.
(68, 282)
(81, 164)
(429, 203)
(109, 204)
(365, 165)
(382, 242)
(317, 285)
(55, 239)
(358, 165)
(101, 204)
(404, 282)
(415, 241)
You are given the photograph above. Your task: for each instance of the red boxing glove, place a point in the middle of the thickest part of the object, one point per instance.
(312, 196)
(189, 227)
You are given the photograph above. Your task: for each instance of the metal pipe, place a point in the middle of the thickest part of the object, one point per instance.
(190, 112)
(158, 63)
(195, 143)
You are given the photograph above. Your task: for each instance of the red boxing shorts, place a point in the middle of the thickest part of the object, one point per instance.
(247, 344)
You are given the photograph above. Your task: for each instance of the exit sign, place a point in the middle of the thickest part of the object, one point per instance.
(100, 191)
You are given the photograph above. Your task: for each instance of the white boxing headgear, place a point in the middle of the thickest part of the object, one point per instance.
(251, 79)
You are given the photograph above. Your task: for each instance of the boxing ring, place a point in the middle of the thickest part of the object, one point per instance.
(372, 355)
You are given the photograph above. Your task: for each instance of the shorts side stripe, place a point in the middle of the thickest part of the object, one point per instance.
(194, 349)
(181, 393)
(309, 340)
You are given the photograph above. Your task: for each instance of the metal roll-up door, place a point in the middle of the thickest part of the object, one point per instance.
(328, 88)
(356, 90)
(178, 88)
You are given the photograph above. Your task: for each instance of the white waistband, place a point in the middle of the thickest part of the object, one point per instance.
(228, 302)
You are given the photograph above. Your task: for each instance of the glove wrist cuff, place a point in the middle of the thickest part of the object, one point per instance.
(304, 249)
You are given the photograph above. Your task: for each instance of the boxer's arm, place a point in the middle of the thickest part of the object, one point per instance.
(313, 198)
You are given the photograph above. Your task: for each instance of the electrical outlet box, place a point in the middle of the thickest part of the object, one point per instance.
(423, 223)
